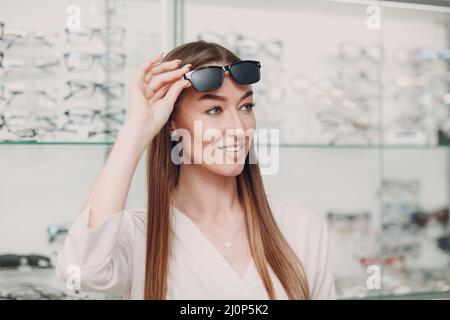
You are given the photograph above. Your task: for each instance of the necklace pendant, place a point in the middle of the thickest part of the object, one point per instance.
(228, 244)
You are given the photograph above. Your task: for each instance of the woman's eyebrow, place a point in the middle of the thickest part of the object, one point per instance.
(209, 96)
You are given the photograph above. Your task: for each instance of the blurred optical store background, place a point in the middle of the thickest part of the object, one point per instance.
(359, 90)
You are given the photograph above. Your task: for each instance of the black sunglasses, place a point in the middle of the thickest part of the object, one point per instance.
(12, 261)
(211, 77)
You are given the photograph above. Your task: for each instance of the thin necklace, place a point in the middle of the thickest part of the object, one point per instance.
(228, 243)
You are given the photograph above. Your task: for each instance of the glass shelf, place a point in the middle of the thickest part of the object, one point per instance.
(354, 146)
(299, 146)
(66, 143)
(412, 295)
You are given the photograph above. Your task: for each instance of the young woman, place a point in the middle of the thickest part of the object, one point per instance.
(209, 230)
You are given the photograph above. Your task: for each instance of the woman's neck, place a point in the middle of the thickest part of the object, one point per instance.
(207, 196)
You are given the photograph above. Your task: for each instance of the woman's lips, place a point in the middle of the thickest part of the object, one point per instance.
(234, 149)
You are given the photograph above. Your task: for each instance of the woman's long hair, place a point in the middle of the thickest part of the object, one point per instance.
(267, 244)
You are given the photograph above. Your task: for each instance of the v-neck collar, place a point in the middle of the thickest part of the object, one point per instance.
(193, 239)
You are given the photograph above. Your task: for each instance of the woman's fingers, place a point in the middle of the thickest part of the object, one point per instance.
(161, 67)
(162, 79)
(144, 67)
(160, 93)
(175, 89)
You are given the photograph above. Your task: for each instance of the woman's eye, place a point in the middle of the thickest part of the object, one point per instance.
(213, 110)
(248, 106)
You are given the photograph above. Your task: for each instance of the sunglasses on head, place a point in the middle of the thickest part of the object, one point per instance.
(211, 77)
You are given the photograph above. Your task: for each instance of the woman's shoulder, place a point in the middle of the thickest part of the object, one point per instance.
(307, 233)
(291, 213)
(136, 219)
(136, 212)
(302, 226)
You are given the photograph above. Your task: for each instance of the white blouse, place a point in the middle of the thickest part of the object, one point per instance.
(111, 257)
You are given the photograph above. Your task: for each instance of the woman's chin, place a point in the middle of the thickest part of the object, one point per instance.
(228, 170)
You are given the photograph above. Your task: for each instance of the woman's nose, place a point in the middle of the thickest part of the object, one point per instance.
(234, 120)
(234, 125)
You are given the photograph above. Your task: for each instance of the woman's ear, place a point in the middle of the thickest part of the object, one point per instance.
(172, 124)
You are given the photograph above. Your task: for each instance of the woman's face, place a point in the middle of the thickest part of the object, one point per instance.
(215, 120)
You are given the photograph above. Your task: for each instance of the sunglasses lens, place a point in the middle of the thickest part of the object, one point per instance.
(207, 79)
(246, 72)
(442, 216)
(9, 261)
(419, 218)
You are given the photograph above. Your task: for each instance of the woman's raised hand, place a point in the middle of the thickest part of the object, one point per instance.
(152, 96)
